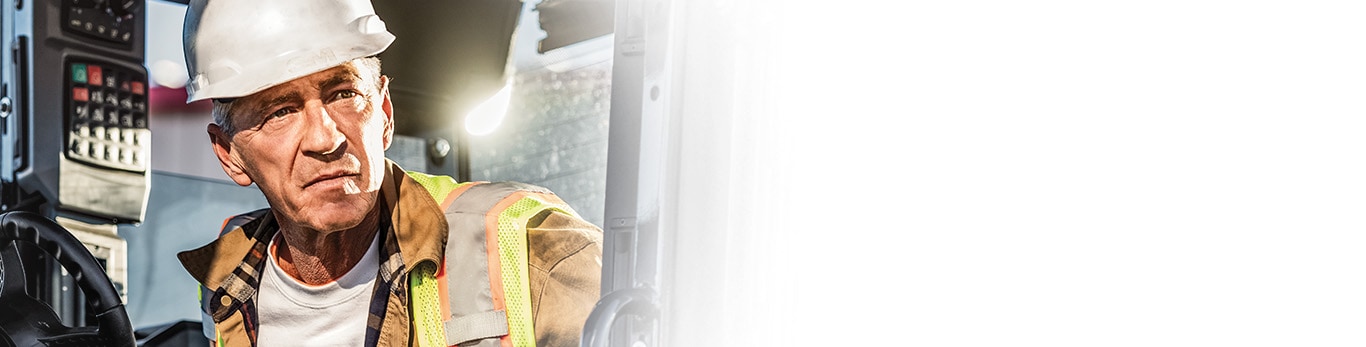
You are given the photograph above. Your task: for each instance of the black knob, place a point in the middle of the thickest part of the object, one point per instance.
(122, 8)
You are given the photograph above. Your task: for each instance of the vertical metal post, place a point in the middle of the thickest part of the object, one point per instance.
(637, 150)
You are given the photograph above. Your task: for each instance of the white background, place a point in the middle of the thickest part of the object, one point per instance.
(1051, 173)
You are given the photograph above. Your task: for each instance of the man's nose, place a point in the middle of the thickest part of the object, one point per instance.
(321, 136)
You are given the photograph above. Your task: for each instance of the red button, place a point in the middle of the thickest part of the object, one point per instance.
(137, 88)
(80, 94)
(96, 76)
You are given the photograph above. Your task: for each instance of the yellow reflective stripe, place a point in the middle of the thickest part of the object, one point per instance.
(437, 186)
(512, 251)
(423, 286)
(426, 305)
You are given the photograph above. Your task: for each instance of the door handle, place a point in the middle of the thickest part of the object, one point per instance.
(639, 302)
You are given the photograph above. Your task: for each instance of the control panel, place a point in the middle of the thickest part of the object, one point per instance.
(106, 113)
(109, 21)
(80, 139)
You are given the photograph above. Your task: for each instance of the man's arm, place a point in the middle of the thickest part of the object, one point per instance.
(566, 271)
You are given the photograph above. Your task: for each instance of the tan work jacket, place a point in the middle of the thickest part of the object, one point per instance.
(564, 260)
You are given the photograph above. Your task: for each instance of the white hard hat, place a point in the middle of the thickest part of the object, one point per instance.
(234, 48)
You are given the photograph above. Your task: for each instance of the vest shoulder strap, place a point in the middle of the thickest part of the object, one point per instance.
(488, 226)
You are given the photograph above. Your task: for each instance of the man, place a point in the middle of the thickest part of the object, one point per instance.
(353, 250)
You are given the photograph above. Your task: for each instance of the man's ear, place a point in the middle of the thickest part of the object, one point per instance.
(388, 107)
(222, 148)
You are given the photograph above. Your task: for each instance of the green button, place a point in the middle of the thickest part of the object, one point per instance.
(78, 73)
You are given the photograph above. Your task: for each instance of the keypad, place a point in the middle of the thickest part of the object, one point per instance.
(106, 115)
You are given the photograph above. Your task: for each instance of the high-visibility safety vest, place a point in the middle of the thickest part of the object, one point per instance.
(493, 299)
(481, 291)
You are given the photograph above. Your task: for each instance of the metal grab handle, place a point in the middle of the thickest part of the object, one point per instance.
(640, 302)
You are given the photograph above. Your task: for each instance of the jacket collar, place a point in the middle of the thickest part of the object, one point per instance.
(418, 224)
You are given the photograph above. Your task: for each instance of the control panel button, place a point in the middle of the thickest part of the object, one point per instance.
(82, 147)
(95, 74)
(78, 73)
(80, 94)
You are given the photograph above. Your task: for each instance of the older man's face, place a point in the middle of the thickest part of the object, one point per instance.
(314, 145)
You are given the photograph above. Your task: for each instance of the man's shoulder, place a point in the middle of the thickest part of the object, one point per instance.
(212, 262)
(556, 235)
(554, 230)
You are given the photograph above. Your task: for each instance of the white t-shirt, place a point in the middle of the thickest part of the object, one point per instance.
(291, 313)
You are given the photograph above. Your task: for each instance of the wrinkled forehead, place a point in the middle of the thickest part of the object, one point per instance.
(359, 76)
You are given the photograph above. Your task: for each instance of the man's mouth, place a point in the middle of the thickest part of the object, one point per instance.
(329, 178)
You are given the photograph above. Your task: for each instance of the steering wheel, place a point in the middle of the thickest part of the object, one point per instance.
(25, 321)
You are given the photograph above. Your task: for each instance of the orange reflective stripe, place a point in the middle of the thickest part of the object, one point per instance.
(495, 261)
(441, 288)
(450, 198)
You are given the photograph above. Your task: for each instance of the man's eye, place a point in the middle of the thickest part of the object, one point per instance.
(345, 94)
(282, 112)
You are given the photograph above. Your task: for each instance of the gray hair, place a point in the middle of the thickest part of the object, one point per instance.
(223, 108)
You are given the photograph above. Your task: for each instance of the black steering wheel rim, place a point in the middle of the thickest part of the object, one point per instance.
(113, 326)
